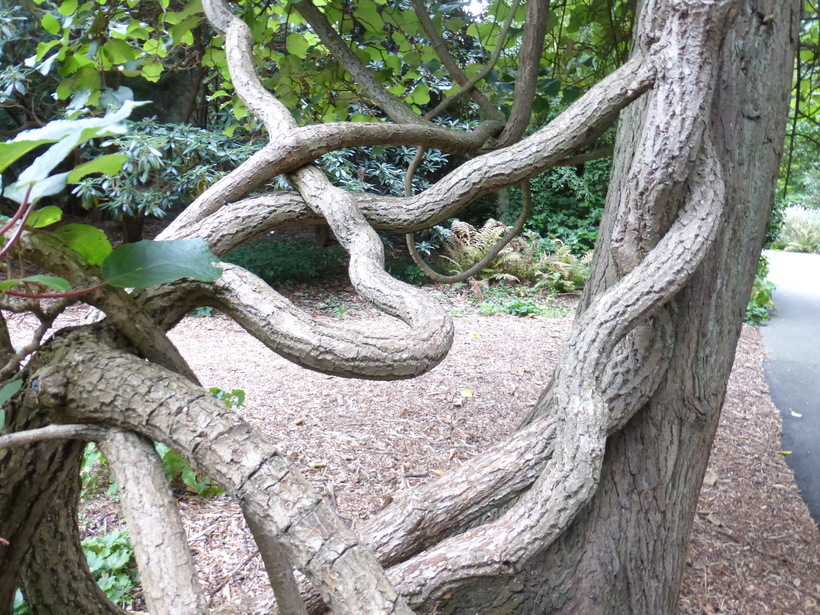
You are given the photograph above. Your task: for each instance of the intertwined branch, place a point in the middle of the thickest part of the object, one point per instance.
(545, 472)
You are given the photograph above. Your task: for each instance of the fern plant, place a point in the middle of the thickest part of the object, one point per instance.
(526, 259)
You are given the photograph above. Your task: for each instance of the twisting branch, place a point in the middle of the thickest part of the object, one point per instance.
(450, 63)
(526, 78)
(144, 397)
(301, 146)
(526, 209)
(550, 146)
(392, 105)
(502, 37)
(571, 475)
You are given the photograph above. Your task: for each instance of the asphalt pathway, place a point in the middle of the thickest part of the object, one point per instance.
(792, 343)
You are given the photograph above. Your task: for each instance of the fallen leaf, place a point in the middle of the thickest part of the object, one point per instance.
(466, 392)
(437, 472)
(476, 335)
(797, 415)
(784, 452)
(710, 479)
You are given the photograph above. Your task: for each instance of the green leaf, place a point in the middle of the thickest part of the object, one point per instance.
(297, 45)
(68, 7)
(118, 51)
(8, 391)
(148, 263)
(50, 23)
(88, 240)
(10, 151)
(53, 282)
(108, 164)
(45, 216)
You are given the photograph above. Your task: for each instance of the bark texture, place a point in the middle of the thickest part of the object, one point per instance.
(587, 508)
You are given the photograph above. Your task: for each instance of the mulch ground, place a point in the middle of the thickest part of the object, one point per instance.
(754, 549)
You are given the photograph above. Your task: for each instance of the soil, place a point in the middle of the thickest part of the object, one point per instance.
(754, 548)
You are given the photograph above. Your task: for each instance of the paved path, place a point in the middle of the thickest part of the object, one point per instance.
(792, 343)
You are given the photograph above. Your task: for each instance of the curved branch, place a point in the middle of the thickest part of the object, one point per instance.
(392, 105)
(502, 36)
(450, 63)
(300, 146)
(295, 335)
(571, 475)
(526, 208)
(526, 78)
(548, 147)
(144, 397)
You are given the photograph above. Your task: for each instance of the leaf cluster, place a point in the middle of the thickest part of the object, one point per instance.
(112, 564)
(526, 259)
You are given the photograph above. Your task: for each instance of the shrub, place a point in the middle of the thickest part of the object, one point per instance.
(758, 311)
(528, 258)
(111, 561)
(568, 203)
(289, 261)
(800, 231)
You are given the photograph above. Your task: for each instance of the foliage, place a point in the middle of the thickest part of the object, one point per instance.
(516, 300)
(527, 258)
(111, 561)
(760, 304)
(279, 261)
(166, 167)
(800, 231)
(95, 476)
(568, 203)
(136, 265)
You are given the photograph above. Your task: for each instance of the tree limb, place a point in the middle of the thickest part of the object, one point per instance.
(167, 573)
(526, 78)
(53, 432)
(392, 105)
(450, 63)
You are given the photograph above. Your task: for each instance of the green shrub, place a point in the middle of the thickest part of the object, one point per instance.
(111, 561)
(758, 311)
(526, 259)
(568, 203)
(289, 261)
(800, 231)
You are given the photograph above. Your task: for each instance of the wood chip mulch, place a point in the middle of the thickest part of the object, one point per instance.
(754, 550)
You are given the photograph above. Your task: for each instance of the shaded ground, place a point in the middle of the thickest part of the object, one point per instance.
(754, 547)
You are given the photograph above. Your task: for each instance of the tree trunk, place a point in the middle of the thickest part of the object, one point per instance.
(625, 552)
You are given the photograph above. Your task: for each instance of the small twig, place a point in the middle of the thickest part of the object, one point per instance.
(70, 293)
(52, 432)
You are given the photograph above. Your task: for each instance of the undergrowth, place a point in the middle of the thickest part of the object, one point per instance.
(527, 259)
(800, 231)
(760, 306)
(277, 261)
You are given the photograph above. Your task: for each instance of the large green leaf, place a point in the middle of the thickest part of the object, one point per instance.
(108, 164)
(148, 263)
(88, 240)
(45, 216)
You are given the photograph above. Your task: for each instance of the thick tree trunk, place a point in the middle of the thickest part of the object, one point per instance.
(626, 550)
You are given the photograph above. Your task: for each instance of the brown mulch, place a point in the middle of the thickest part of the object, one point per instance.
(754, 547)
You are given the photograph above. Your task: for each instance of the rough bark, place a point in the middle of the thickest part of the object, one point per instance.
(588, 507)
(625, 551)
(167, 571)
